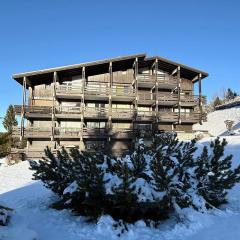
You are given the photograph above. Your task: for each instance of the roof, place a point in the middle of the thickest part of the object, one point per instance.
(102, 66)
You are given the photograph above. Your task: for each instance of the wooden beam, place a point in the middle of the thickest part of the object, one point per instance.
(156, 91)
(179, 93)
(23, 107)
(200, 96)
(109, 123)
(55, 78)
(135, 106)
(195, 78)
(83, 102)
(174, 71)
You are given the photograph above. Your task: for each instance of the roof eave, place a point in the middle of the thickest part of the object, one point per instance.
(197, 71)
(74, 66)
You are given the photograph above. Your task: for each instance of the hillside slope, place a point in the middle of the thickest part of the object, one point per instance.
(215, 121)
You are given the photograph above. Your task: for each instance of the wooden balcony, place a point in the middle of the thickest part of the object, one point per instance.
(68, 112)
(123, 114)
(122, 133)
(77, 133)
(123, 93)
(95, 113)
(147, 116)
(96, 93)
(165, 81)
(167, 99)
(33, 132)
(69, 92)
(146, 98)
(34, 111)
(95, 133)
(146, 80)
(168, 117)
(193, 117)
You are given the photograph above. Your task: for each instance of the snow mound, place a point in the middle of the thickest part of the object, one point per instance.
(215, 122)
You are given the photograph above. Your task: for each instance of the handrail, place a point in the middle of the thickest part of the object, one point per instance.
(68, 88)
(68, 109)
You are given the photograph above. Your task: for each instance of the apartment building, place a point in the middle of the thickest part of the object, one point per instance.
(107, 104)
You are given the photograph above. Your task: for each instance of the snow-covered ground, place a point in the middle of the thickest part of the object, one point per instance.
(215, 121)
(33, 219)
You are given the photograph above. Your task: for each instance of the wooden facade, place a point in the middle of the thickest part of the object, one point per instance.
(107, 104)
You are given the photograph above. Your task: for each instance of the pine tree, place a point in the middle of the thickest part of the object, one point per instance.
(214, 173)
(124, 198)
(171, 170)
(230, 95)
(54, 172)
(88, 173)
(217, 101)
(9, 120)
(138, 161)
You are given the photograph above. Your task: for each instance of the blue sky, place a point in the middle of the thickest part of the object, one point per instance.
(40, 34)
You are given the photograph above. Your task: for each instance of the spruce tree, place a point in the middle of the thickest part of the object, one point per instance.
(54, 172)
(217, 101)
(214, 173)
(9, 120)
(138, 161)
(89, 176)
(170, 166)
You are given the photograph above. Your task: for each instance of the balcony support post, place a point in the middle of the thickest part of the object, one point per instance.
(135, 106)
(200, 96)
(109, 123)
(82, 146)
(156, 94)
(179, 93)
(23, 107)
(55, 76)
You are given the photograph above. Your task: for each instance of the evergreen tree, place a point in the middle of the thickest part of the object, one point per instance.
(230, 95)
(54, 172)
(125, 190)
(171, 170)
(9, 120)
(214, 173)
(89, 176)
(217, 101)
(138, 161)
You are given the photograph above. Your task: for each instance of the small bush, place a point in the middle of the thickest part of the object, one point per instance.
(5, 214)
(148, 184)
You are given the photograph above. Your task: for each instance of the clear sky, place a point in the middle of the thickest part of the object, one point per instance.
(40, 34)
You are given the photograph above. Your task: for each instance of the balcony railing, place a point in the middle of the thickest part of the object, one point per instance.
(167, 98)
(68, 90)
(68, 110)
(146, 98)
(164, 80)
(91, 112)
(145, 115)
(124, 91)
(145, 80)
(118, 133)
(123, 113)
(97, 90)
(33, 109)
(167, 116)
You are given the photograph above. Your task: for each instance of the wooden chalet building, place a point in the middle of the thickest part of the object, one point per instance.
(107, 104)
